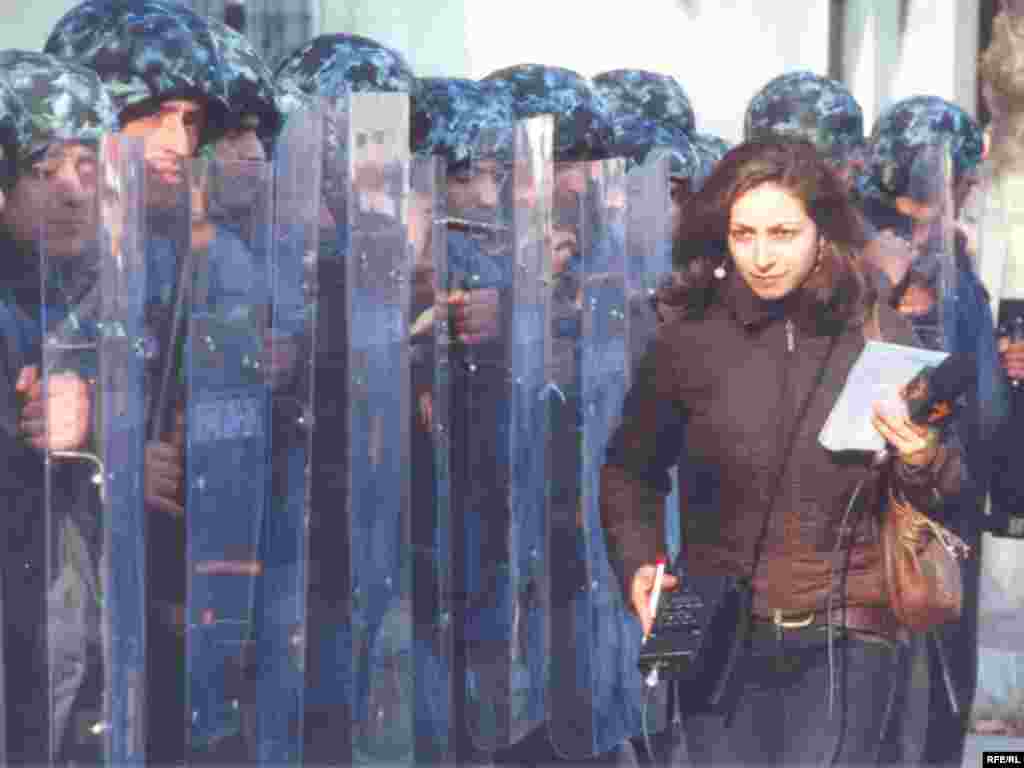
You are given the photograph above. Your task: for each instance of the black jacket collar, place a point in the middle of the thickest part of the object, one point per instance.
(747, 308)
(754, 313)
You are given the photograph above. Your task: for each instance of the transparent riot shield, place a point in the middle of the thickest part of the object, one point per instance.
(278, 639)
(648, 247)
(595, 684)
(497, 299)
(377, 292)
(171, 276)
(327, 731)
(229, 367)
(939, 292)
(431, 479)
(91, 587)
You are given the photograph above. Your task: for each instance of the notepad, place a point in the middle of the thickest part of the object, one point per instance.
(879, 373)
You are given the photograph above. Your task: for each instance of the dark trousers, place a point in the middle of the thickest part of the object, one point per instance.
(783, 715)
(537, 751)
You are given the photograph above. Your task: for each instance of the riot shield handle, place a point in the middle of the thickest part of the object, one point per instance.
(99, 478)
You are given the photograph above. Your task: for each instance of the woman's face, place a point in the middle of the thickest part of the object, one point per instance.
(773, 242)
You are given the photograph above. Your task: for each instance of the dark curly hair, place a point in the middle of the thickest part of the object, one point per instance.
(833, 296)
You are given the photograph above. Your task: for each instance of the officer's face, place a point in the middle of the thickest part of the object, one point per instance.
(240, 145)
(241, 169)
(170, 135)
(477, 188)
(563, 248)
(56, 200)
(773, 242)
(570, 180)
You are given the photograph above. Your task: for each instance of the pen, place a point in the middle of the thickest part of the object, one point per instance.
(659, 577)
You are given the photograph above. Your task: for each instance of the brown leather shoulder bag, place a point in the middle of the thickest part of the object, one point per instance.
(921, 558)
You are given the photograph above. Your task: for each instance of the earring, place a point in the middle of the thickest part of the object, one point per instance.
(719, 272)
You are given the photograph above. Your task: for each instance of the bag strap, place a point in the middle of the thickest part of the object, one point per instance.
(787, 457)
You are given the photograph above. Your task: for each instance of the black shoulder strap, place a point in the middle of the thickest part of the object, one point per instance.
(787, 456)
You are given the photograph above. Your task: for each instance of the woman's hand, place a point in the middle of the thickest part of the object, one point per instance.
(917, 446)
(640, 593)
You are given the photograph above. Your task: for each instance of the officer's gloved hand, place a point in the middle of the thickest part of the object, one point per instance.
(164, 470)
(891, 255)
(280, 359)
(59, 419)
(475, 314)
(1011, 355)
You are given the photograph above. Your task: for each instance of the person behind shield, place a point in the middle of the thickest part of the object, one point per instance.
(352, 649)
(169, 91)
(164, 73)
(586, 698)
(251, 125)
(922, 161)
(776, 311)
(48, 279)
(648, 109)
(469, 128)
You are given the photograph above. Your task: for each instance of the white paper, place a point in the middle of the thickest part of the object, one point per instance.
(879, 373)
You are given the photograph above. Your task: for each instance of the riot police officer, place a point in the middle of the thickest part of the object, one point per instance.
(358, 619)
(922, 157)
(582, 709)
(164, 72)
(49, 284)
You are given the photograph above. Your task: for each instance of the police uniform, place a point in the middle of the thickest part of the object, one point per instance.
(56, 633)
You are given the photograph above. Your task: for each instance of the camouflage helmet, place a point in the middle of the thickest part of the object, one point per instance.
(685, 161)
(635, 95)
(807, 106)
(641, 140)
(454, 116)
(144, 51)
(713, 146)
(583, 126)
(909, 138)
(63, 101)
(331, 65)
(14, 131)
(250, 83)
(290, 99)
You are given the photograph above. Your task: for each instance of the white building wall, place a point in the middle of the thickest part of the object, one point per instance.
(893, 50)
(26, 24)
(721, 51)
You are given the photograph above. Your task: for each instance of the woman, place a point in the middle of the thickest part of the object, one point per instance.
(775, 313)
